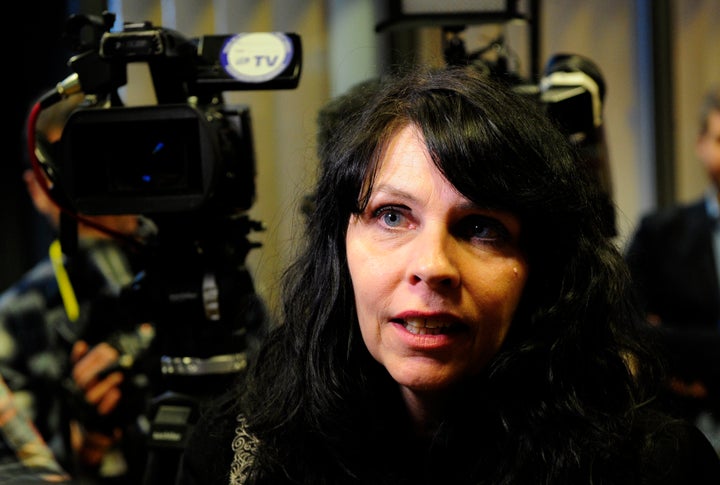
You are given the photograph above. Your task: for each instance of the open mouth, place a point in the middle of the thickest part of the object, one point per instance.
(428, 326)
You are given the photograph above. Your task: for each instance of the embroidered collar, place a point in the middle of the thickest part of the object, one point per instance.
(244, 448)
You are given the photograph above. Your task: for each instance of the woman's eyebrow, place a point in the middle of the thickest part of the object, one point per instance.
(393, 191)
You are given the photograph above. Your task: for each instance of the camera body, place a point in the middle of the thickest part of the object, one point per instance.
(187, 163)
(164, 158)
(190, 151)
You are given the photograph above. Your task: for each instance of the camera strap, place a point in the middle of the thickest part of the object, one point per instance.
(67, 293)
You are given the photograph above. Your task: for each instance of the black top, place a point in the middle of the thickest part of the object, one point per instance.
(678, 454)
(672, 261)
(673, 264)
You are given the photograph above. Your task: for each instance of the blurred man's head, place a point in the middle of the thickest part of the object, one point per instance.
(707, 146)
(49, 127)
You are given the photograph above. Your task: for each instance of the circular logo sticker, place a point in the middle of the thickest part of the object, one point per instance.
(256, 57)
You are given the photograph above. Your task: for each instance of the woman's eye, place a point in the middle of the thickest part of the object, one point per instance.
(390, 216)
(483, 229)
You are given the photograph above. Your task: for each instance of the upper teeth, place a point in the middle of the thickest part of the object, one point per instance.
(427, 323)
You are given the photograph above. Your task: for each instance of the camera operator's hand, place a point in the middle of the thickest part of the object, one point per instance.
(96, 377)
(92, 376)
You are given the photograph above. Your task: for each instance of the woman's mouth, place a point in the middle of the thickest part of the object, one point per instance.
(428, 326)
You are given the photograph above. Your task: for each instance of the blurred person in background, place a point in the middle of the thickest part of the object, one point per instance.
(674, 256)
(72, 386)
(25, 458)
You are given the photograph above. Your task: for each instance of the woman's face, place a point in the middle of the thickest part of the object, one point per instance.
(436, 278)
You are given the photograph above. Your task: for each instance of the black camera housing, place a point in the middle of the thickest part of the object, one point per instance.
(188, 152)
(164, 158)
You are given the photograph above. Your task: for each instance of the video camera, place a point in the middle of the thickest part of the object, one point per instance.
(187, 164)
(189, 151)
(571, 88)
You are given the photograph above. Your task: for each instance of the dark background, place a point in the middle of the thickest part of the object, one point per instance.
(34, 64)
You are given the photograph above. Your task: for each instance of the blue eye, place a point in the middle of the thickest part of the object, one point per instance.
(390, 216)
(483, 229)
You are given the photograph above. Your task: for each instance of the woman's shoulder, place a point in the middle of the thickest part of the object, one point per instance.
(674, 451)
(208, 454)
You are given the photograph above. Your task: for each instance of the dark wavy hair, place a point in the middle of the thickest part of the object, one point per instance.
(558, 400)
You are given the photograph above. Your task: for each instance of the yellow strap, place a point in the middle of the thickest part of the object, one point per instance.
(72, 309)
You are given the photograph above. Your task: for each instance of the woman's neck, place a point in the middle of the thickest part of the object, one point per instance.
(425, 408)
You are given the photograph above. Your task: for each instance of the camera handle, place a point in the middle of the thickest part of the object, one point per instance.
(172, 418)
(174, 414)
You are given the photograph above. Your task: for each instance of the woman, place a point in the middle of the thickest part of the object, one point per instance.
(456, 316)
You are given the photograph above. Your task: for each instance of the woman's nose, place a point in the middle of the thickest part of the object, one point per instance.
(432, 260)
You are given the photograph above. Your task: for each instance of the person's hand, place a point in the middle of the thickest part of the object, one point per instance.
(654, 319)
(90, 374)
(94, 377)
(90, 446)
(692, 389)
